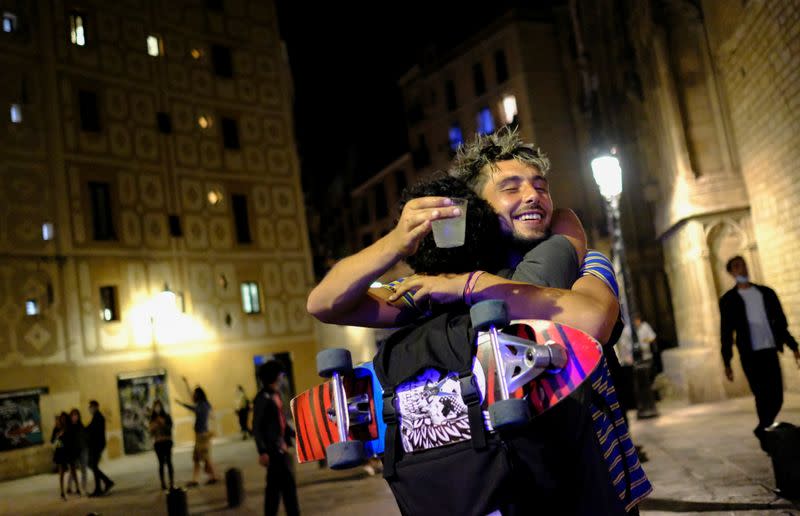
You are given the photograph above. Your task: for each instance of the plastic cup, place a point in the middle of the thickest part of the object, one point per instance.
(449, 232)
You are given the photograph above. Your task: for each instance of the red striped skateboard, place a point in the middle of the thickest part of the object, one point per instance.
(544, 362)
(315, 416)
(546, 384)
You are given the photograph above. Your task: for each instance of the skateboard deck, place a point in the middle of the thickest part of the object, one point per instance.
(316, 426)
(550, 386)
(544, 387)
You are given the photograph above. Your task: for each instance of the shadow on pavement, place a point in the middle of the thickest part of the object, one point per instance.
(667, 505)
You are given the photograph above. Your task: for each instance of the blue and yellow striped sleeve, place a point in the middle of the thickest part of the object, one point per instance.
(407, 298)
(598, 265)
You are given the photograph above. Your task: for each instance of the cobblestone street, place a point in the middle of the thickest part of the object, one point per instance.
(703, 460)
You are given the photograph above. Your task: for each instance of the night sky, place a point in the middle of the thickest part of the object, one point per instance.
(346, 59)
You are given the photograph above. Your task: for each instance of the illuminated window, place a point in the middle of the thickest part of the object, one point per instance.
(251, 304)
(204, 121)
(16, 113)
(9, 22)
(47, 231)
(509, 106)
(485, 121)
(455, 137)
(108, 304)
(31, 307)
(77, 31)
(214, 197)
(154, 46)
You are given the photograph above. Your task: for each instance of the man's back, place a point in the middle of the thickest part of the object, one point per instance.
(97, 432)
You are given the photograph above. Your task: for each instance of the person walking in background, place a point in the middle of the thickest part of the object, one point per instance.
(161, 431)
(65, 448)
(646, 337)
(242, 411)
(96, 440)
(202, 434)
(754, 313)
(272, 441)
(81, 451)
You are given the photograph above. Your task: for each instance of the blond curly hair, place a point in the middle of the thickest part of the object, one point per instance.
(486, 150)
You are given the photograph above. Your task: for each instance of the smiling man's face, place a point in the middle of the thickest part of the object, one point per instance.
(520, 195)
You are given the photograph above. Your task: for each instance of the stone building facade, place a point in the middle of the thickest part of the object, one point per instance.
(152, 217)
(701, 98)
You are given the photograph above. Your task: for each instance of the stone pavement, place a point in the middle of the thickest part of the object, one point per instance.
(703, 460)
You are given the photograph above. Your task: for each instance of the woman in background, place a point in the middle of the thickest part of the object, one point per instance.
(81, 450)
(161, 430)
(64, 442)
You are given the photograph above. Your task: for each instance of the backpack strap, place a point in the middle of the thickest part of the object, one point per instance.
(391, 441)
(472, 399)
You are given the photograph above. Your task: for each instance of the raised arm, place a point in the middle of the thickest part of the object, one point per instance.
(342, 295)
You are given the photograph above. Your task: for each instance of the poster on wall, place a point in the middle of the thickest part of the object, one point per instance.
(20, 419)
(137, 393)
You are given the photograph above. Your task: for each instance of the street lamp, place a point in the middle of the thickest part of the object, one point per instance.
(608, 176)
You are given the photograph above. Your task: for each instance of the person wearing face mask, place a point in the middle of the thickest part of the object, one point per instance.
(754, 313)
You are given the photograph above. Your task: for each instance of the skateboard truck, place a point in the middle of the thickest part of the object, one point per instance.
(507, 412)
(357, 411)
(343, 454)
(523, 360)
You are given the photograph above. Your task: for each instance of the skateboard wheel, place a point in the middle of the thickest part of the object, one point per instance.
(335, 360)
(509, 413)
(344, 455)
(486, 314)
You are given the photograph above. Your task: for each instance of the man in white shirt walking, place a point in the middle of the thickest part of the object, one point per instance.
(754, 314)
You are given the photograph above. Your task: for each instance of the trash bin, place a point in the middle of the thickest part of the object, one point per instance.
(177, 504)
(234, 484)
(782, 442)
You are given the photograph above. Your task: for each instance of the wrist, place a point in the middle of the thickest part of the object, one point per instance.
(469, 286)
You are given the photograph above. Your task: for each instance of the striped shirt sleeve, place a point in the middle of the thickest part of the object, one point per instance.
(598, 265)
(407, 298)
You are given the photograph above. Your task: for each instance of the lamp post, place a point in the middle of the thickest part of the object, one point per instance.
(608, 176)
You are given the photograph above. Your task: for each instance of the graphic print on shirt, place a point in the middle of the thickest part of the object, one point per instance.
(432, 412)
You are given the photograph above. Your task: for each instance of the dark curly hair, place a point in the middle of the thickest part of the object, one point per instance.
(483, 240)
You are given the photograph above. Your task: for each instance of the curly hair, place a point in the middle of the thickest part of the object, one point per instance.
(486, 150)
(482, 241)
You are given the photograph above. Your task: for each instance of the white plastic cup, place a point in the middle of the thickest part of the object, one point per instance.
(450, 232)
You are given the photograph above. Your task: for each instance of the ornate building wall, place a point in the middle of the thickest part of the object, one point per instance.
(157, 161)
